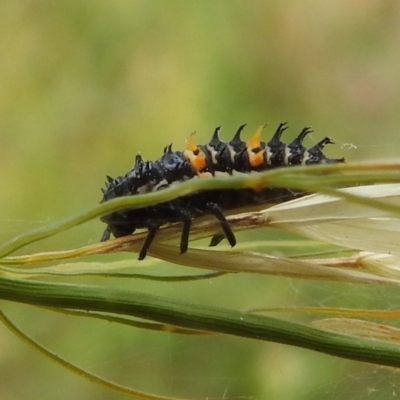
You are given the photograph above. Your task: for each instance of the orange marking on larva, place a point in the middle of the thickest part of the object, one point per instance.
(197, 159)
(195, 155)
(256, 159)
(199, 163)
(191, 143)
(255, 140)
(254, 150)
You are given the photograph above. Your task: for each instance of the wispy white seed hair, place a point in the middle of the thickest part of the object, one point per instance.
(342, 222)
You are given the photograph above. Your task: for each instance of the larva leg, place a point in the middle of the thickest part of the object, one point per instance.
(106, 235)
(153, 228)
(216, 239)
(217, 212)
(187, 223)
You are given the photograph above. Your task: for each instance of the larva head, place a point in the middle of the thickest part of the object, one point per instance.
(115, 188)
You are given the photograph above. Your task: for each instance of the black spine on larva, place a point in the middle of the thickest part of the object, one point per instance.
(276, 147)
(295, 149)
(216, 151)
(316, 156)
(237, 152)
(173, 166)
(222, 157)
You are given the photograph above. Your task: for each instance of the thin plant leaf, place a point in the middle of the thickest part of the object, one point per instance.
(359, 328)
(311, 178)
(381, 264)
(308, 216)
(104, 270)
(194, 316)
(337, 311)
(132, 322)
(75, 369)
(251, 262)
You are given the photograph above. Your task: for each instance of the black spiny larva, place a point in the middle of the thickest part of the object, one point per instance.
(214, 158)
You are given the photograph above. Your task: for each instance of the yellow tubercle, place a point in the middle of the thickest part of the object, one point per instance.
(191, 143)
(255, 140)
(254, 150)
(195, 155)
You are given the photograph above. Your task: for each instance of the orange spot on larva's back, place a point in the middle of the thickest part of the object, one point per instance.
(195, 155)
(254, 150)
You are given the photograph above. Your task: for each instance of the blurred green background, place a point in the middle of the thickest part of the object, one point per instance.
(85, 85)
